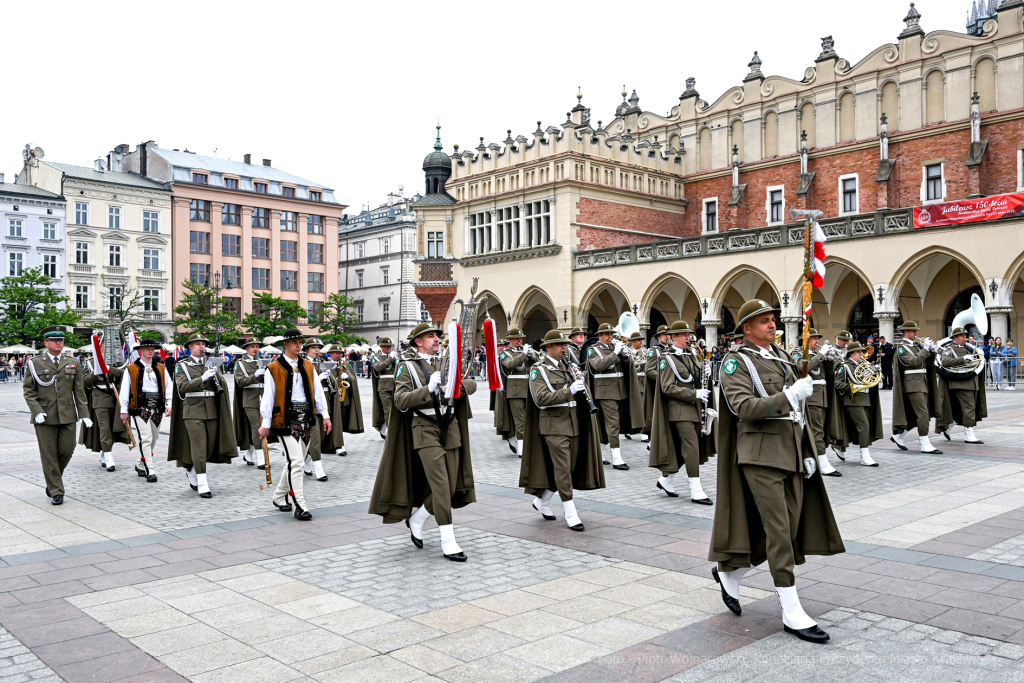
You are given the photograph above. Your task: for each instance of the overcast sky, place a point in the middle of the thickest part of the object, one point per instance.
(347, 94)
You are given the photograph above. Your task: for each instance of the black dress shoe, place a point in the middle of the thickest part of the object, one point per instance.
(670, 494)
(190, 484)
(302, 515)
(111, 468)
(547, 517)
(48, 493)
(732, 603)
(623, 466)
(839, 455)
(418, 542)
(323, 478)
(935, 452)
(814, 634)
(58, 499)
(975, 443)
(946, 434)
(702, 501)
(151, 478)
(834, 473)
(261, 467)
(308, 474)
(606, 462)
(208, 494)
(511, 447)
(342, 452)
(898, 444)
(141, 473)
(628, 437)
(250, 463)
(287, 507)
(456, 557)
(577, 527)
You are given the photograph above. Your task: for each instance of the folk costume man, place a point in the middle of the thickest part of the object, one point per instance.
(614, 387)
(426, 469)
(860, 412)
(574, 352)
(248, 390)
(822, 374)
(347, 415)
(313, 465)
(107, 429)
(913, 389)
(55, 395)
(767, 459)
(382, 372)
(292, 400)
(562, 451)
(676, 439)
(514, 364)
(145, 395)
(659, 345)
(961, 395)
(202, 431)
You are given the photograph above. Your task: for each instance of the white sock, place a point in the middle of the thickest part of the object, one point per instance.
(666, 482)
(644, 438)
(248, 454)
(204, 487)
(969, 434)
(617, 457)
(865, 459)
(569, 509)
(898, 438)
(193, 478)
(824, 465)
(417, 520)
(318, 469)
(384, 430)
(307, 466)
(793, 614)
(543, 503)
(731, 581)
(258, 458)
(108, 458)
(519, 448)
(514, 442)
(926, 445)
(448, 544)
(696, 492)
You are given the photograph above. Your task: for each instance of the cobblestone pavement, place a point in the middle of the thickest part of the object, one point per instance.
(129, 581)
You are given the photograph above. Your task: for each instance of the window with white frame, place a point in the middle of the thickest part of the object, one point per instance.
(82, 296)
(115, 296)
(538, 223)
(933, 182)
(385, 245)
(150, 221)
(359, 312)
(14, 227)
(114, 217)
(358, 249)
(849, 197)
(114, 255)
(82, 253)
(17, 263)
(385, 278)
(359, 278)
(151, 259)
(424, 313)
(709, 216)
(480, 232)
(385, 310)
(775, 205)
(82, 213)
(49, 231)
(508, 228)
(151, 300)
(50, 265)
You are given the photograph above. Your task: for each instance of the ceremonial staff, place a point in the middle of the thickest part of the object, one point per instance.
(263, 363)
(814, 272)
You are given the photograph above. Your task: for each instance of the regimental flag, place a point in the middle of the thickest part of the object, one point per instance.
(818, 255)
(99, 366)
(494, 380)
(453, 382)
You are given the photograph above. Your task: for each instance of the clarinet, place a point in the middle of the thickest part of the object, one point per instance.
(578, 375)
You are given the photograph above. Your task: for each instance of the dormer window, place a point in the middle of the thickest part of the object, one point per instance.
(231, 183)
(287, 191)
(200, 179)
(261, 188)
(316, 196)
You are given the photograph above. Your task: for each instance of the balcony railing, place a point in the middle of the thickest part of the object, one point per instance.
(115, 270)
(80, 268)
(159, 274)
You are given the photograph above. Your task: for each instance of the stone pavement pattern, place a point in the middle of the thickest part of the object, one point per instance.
(146, 582)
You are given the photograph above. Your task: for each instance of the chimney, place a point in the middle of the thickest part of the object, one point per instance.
(266, 162)
(248, 159)
(1, 178)
(99, 164)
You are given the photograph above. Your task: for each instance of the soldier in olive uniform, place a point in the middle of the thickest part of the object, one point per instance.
(636, 343)
(515, 369)
(659, 345)
(913, 399)
(676, 437)
(55, 396)
(615, 390)
(382, 366)
(962, 394)
(860, 409)
(817, 405)
(107, 429)
(574, 351)
(248, 390)
(766, 458)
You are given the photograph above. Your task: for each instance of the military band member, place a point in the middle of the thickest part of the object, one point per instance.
(107, 429)
(562, 451)
(676, 439)
(313, 465)
(574, 352)
(145, 395)
(292, 400)
(962, 396)
(382, 372)
(659, 345)
(860, 412)
(913, 396)
(427, 426)
(766, 458)
(503, 424)
(248, 390)
(613, 385)
(347, 415)
(636, 343)
(820, 370)
(202, 431)
(55, 395)
(515, 369)
(843, 339)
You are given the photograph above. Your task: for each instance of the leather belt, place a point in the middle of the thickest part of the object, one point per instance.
(383, 376)
(570, 404)
(817, 381)
(254, 386)
(607, 375)
(919, 371)
(518, 377)
(200, 394)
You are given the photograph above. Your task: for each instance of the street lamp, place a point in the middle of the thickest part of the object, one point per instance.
(216, 304)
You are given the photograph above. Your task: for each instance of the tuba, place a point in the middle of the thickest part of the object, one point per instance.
(977, 316)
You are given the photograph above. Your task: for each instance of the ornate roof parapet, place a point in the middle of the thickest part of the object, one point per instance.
(828, 51)
(755, 69)
(913, 22)
(691, 89)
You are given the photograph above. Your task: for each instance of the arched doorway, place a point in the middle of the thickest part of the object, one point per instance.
(862, 323)
(657, 320)
(961, 302)
(536, 314)
(726, 328)
(932, 283)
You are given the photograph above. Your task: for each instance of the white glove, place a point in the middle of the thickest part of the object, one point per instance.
(435, 380)
(324, 375)
(344, 375)
(260, 372)
(801, 389)
(707, 369)
(393, 354)
(577, 386)
(209, 373)
(40, 418)
(87, 422)
(703, 394)
(809, 467)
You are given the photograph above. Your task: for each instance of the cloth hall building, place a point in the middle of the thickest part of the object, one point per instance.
(913, 153)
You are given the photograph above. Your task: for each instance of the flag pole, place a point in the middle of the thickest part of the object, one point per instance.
(807, 295)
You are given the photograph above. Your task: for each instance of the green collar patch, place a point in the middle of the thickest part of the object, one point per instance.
(400, 371)
(590, 352)
(730, 366)
(502, 355)
(650, 354)
(663, 364)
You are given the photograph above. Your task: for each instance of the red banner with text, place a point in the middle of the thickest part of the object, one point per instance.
(969, 210)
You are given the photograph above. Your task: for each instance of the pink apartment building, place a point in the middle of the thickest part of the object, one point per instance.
(261, 229)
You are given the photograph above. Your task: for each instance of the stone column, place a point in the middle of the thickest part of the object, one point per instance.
(999, 321)
(792, 324)
(711, 333)
(886, 322)
(449, 237)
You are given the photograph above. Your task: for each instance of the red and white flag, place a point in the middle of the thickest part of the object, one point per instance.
(818, 255)
(453, 382)
(99, 366)
(491, 351)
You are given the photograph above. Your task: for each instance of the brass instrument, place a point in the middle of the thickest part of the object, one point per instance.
(531, 353)
(778, 337)
(866, 376)
(343, 386)
(869, 352)
(975, 315)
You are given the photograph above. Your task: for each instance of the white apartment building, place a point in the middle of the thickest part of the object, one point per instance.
(33, 231)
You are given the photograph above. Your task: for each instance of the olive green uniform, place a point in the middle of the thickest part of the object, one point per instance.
(817, 404)
(104, 406)
(914, 386)
(251, 387)
(963, 387)
(56, 389)
(609, 387)
(678, 374)
(515, 367)
(857, 404)
(199, 410)
(383, 367)
(557, 422)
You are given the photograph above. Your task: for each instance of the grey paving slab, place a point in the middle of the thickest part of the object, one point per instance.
(18, 663)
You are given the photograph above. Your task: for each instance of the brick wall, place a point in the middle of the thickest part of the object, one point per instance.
(436, 299)
(627, 217)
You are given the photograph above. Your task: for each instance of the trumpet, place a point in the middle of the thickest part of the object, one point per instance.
(531, 353)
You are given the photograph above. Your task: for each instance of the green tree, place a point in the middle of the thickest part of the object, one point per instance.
(198, 311)
(272, 316)
(28, 304)
(336, 318)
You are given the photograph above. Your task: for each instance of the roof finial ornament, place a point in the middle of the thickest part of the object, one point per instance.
(624, 93)
(437, 143)
(755, 64)
(579, 94)
(913, 18)
(634, 100)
